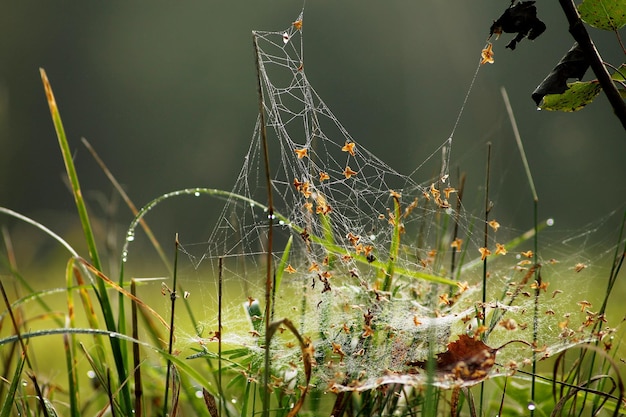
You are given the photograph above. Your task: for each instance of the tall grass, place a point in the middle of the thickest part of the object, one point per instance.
(132, 376)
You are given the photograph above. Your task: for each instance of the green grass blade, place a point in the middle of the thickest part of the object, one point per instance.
(103, 298)
(283, 264)
(71, 171)
(395, 244)
(7, 405)
(69, 344)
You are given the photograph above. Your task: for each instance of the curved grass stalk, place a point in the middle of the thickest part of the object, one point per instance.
(329, 246)
(307, 358)
(41, 227)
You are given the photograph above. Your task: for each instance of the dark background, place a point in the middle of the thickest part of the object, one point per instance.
(166, 93)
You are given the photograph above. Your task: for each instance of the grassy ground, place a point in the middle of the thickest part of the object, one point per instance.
(98, 345)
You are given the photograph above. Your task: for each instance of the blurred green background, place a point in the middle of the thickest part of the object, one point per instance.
(166, 94)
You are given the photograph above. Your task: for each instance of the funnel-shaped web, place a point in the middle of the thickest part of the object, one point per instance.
(369, 274)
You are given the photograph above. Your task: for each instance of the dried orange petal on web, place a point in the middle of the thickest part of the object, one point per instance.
(487, 54)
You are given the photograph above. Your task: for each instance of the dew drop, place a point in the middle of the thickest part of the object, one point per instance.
(198, 394)
(532, 406)
(285, 37)
(550, 222)
(91, 374)
(372, 237)
(281, 222)
(538, 108)
(197, 194)
(130, 236)
(233, 400)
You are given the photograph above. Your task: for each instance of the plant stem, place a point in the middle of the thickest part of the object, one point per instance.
(171, 340)
(219, 330)
(270, 229)
(136, 353)
(484, 289)
(487, 210)
(579, 33)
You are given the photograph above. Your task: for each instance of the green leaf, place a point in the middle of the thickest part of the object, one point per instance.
(604, 14)
(283, 264)
(577, 96)
(620, 74)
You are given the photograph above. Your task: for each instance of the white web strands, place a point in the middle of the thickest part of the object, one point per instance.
(346, 210)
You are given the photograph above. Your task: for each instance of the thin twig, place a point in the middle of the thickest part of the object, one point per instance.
(129, 203)
(518, 140)
(579, 33)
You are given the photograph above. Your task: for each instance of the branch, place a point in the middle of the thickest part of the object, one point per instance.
(579, 33)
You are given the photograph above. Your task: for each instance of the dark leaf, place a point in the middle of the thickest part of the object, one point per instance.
(573, 65)
(520, 18)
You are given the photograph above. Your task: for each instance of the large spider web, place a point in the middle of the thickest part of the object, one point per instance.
(344, 221)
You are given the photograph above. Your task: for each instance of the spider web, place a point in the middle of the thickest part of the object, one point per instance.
(344, 221)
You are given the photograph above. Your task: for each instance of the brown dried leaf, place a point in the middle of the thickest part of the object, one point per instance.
(467, 359)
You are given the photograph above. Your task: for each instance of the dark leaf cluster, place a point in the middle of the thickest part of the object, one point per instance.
(520, 18)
